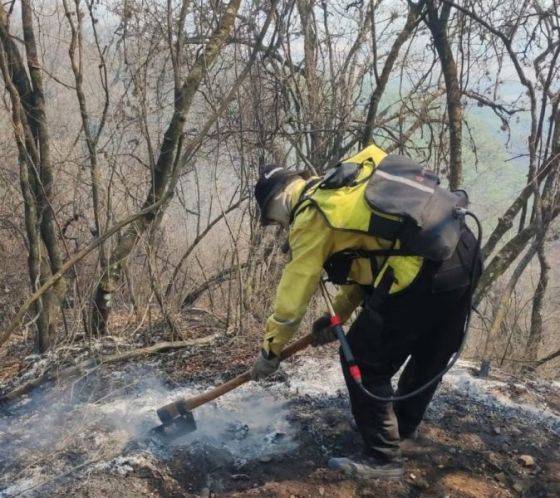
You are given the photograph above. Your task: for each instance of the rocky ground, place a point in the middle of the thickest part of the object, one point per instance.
(87, 436)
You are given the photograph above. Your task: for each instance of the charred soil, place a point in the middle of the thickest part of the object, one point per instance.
(480, 438)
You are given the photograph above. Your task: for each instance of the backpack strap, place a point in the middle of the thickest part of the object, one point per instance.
(302, 198)
(338, 264)
(344, 174)
(377, 294)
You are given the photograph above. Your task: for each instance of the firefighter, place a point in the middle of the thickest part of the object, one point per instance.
(421, 313)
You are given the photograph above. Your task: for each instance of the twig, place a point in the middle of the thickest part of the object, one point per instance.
(92, 364)
(64, 474)
(546, 359)
(4, 336)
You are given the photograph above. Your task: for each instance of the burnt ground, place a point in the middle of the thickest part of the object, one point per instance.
(86, 437)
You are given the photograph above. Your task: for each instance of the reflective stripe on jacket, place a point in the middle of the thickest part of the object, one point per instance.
(312, 241)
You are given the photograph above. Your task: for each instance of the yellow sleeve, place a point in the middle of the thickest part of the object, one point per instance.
(310, 241)
(349, 297)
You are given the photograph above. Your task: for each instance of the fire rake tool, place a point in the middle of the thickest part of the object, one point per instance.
(336, 325)
(177, 418)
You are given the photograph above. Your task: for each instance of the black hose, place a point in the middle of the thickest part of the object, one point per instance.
(455, 357)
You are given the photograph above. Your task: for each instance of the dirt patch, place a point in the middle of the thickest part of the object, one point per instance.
(319, 483)
(10, 369)
(271, 439)
(462, 484)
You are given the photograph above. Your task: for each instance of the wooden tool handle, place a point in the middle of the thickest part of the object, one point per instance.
(176, 407)
(230, 385)
(293, 348)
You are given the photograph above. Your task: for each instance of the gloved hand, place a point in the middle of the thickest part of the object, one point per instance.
(322, 331)
(265, 364)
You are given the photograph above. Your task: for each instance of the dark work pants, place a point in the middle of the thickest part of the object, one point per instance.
(425, 321)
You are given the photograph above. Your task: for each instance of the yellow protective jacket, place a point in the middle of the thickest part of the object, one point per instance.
(312, 240)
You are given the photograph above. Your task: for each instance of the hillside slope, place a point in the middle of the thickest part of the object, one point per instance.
(497, 437)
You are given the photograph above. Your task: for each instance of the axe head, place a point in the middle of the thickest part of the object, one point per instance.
(175, 428)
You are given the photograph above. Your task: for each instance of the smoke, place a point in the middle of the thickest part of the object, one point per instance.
(249, 424)
(108, 420)
(56, 430)
(101, 424)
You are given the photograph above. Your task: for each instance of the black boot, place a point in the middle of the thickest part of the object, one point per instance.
(368, 468)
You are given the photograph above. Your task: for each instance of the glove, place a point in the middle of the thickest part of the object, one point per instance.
(265, 364)
(322, 331)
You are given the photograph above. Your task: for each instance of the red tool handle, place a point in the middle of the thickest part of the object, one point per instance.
(336, 324)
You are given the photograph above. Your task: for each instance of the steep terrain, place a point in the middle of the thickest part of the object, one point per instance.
(495, 438)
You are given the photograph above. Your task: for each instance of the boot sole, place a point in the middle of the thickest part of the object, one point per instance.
(352, 469)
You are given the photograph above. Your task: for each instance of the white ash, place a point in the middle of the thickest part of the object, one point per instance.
(20, 487)
(249, 424)
(321, 376)
(495, 395)
(124, 465)
(313, 376)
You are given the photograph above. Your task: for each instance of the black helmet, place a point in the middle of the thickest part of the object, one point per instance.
(272, 179)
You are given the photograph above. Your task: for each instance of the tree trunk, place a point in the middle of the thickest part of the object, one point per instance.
(162, 171)
(503, 305)
(547, 205)
(312, 80)
(214, 280)
(438, 26)
(536, 330)
(30, 126)
(381, 83)
(44, 187)
(502, 261)
(546, 359)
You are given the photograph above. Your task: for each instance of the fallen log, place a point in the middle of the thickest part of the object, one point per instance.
(546, 359)
(88, 366)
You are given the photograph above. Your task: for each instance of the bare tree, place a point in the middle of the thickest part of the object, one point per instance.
(169, 151)
(24, 81)
(438, 22)
(516, 30)
(167, 109)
